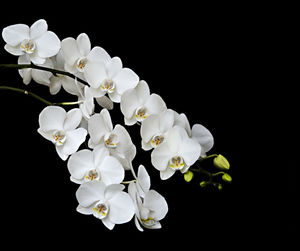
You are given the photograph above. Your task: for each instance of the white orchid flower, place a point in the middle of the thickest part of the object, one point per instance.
(40, 77)
(77, 54)
(148, 210)
(36, 42)
(58, 80)
(86, 165)
(198, 132)
(155, 127)
(117, 140)
(177, 152)
(137, 104)
(107, 203)
(110, 78)
(60, 127)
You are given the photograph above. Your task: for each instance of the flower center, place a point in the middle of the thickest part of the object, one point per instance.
(108, 86)
(141, 114)
(80, 64)
(156, 140)
(27, 46)
(58, 138)
(100, 210)
(92, 175)
(111, 140)
(149, 221)
(176, 163)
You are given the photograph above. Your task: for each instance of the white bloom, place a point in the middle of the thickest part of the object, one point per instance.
(57, 81)
(110, 77)
(36, 42)
(59, 127)
(148, 210)
(41, 77)
(87, 165)
(107, 203)
(77, 54)
(198, 132)
(155, 127)
(177, 152)
(117, 140)
(137, 104)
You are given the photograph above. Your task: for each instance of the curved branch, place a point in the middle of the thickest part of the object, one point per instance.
(33, 66)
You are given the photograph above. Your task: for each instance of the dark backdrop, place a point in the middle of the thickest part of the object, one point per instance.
(203, 62)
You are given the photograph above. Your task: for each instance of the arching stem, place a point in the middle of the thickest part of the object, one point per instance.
(8, 88)
(37, 67)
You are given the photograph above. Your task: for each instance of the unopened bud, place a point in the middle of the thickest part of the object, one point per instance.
(226, 177)
(221, 162)
(203, 183)
(188, 176)
(220, 187)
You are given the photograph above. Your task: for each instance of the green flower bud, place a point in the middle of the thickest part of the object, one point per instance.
(220, 187)
(221, 162)
(226, 177)
(203, 183)
(188, 176)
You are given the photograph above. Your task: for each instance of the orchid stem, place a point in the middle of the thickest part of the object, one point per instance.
(8, 88)
(127, 182)
(207, 157)
(2, 87)
(33, 66)
(201, 170)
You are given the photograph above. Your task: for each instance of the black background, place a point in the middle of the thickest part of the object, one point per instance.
(203, 61)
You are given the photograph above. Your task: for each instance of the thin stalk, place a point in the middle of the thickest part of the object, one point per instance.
(2, 87)
(33, 66)
(127, 182)
(8, 88)
(207, 157)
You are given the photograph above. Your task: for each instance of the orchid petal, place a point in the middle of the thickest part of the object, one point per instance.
(155, 104)
(157, 204)
(70, 50)
(84, 44)
(48, 45)
(15, 34)
(150, 127)
(90, 192)
(52, 118)
(160, 156)
(73, 119)
(203, 136)
(79, 163)
(38, 28)
(73, 141)
(95, 73)
(125, 79)
(121, 208)
(111, 171)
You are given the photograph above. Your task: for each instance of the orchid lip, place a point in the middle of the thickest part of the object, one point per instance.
(176, 163)
(141, 113)
(149, 221)
(58, 137)
(111, 140)
(100, 210)
(92, 175)
(156, 140)
(28, 46)
(108, 86)
(81, 63)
